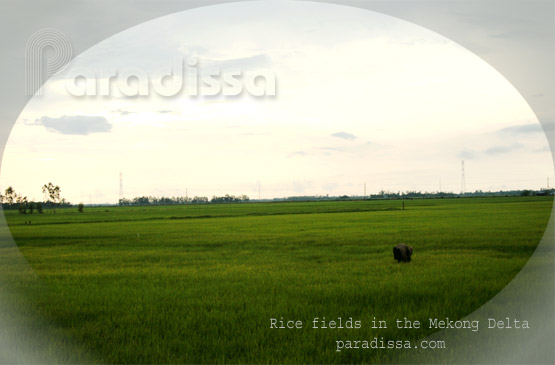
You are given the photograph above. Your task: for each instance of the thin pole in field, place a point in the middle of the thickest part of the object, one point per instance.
(463, 181)
(120, 186)
(364, 190)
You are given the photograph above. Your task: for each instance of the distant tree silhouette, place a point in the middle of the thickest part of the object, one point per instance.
(10, 195)
(53, 193)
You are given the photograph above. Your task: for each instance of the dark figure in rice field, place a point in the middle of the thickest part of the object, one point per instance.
(402, 252)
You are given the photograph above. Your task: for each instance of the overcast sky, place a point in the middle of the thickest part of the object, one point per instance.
(361, 98)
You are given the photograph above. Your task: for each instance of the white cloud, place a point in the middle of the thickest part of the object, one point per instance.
(497, 150)
(76, 124)
(523, 128)
(297, 154)
(467, 154)
(344, 135)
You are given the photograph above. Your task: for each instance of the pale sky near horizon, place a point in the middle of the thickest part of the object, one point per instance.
(361, 98)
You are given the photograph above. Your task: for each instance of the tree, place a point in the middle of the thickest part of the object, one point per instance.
(199, 200)
(80, 207)
(53, 193)
(22, 204)
(10, 195)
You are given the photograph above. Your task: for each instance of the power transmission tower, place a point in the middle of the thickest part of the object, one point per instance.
(120, 186)
(463, 180)
(364, 190)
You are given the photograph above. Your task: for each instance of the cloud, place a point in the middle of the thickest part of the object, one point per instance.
(256, 61)
(541, 150)
(467, 154)
(164, 111)
(122, 112)
(211, 66)
(359, 148)
(76, 124)
(505, 35)
(297, 153)
(523, 128)
(497, 150)
(344, 135)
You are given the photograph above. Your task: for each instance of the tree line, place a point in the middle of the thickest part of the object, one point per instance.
(152, 200)
(52, 200)
(383, 194)
(10, 199)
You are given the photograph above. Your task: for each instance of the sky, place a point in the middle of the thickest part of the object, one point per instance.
(361, 98)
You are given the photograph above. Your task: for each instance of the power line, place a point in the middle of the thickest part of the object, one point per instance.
(463, 180)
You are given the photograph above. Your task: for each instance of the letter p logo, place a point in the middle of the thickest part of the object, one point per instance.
(35, 52)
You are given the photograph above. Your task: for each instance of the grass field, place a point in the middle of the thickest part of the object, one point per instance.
(200, 283)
